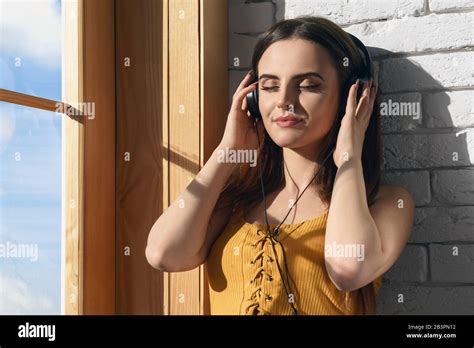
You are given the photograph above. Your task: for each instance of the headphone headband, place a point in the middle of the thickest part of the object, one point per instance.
(368, 71)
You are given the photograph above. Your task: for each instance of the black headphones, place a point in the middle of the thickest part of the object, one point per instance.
(252, 104)
(366, 76)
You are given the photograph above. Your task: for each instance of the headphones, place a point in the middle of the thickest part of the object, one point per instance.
(252, 104)
(365, 77)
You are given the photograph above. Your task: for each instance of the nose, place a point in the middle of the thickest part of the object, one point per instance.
(285, 97)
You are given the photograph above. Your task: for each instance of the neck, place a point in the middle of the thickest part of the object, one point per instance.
(300, 166)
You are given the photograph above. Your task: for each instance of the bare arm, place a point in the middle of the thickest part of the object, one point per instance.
(379, 232)
(181, 237)
(381, 229)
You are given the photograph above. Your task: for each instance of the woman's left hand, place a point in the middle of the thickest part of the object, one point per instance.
(350, 139)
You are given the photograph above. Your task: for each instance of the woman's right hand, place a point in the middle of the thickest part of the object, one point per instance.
(239, 131)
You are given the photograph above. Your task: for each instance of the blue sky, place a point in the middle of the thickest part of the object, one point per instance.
(30, 156)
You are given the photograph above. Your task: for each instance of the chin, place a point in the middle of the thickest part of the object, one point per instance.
(287, 140)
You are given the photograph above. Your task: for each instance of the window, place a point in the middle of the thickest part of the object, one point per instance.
(30, 157)
(98, 219)
(30, 41)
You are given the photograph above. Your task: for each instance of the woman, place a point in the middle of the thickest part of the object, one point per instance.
(323, 252)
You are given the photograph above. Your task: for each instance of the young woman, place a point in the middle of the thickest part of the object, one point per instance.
(321, 252)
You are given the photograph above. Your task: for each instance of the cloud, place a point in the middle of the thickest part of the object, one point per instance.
(31, 29)
(17, 298)
(30, 151)
(8, 77)
(7, 127)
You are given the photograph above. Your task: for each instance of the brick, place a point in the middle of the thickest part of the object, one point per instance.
(428, 150)
(411, 266)
(446, 267)
(443, 5)
(250, 17)
(241, 47)
(432, 32)
(376, 67)
(405, 121)
(443, 224)
(454, 186)
(344, 12)
(433, 71)
(416, 182)
(448, 109)
(425, 300)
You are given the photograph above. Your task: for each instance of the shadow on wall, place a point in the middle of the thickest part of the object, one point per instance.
(429, 150)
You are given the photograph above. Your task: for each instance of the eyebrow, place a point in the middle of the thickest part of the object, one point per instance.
(307, 74)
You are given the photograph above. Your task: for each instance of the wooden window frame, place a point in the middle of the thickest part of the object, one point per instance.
(87, 171)
(89, 163)
(185, 46)
(89, 145)
(204, 41)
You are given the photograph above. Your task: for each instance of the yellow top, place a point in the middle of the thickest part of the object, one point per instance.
(244, 278)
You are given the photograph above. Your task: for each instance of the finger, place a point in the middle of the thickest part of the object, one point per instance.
(240, 96)
(371, 95)
(351, 100)
(247, 78)
(244, 104)
(363, 102)
(370, 107)
(374, 92)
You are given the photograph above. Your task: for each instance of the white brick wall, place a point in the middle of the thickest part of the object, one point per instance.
(433, 32)
(345, 12)
(424, 53)
(428, 72)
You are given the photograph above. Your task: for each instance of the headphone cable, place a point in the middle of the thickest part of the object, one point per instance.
(274, 233)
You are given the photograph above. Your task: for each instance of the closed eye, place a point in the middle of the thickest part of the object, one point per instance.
(310, 87)
(268, 88)
(302, 87)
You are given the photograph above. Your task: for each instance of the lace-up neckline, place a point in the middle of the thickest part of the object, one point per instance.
(263, 259)
(262, 226)
(244, 277)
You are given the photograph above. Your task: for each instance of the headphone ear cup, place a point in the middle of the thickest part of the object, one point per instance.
(252, 104)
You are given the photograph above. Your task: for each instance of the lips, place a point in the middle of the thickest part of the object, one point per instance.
(287, 121)
(287, 118)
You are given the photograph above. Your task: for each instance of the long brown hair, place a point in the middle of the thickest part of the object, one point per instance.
(243, 187)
